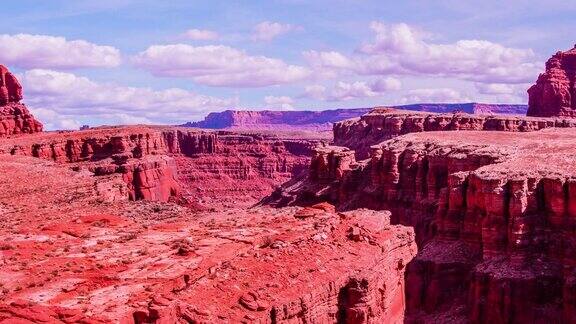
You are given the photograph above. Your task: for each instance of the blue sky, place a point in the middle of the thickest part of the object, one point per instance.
(124, 61)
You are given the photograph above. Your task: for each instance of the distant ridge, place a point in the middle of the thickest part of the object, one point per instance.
(322, 120)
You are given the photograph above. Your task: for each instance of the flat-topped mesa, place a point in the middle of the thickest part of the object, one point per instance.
(14, 116)
(554, 93)
(381, 124)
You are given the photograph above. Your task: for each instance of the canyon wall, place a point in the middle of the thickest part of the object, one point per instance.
(385, 123)
(492, 212)
(554, 93)
(70, 257)
(14, 116)
(164, 163)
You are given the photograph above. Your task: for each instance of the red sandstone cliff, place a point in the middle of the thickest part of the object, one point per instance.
(491, 210)
(68, 258)
(165, 163)
(14, 116)
(554, 93)
(385, 123)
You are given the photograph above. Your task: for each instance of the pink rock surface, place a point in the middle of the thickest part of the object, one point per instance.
(68, 257)
(554, 93)
(492, 213)
(14, 116)
(10, 88)
(385, 123)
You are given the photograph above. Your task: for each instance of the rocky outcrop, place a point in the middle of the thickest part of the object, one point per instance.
(219, 167)
(10, 88)
(492, 212)
(382, 124)
(14, 116)
(67, 258)
(554, 94)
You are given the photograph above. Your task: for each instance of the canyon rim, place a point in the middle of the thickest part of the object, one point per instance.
(138, 187)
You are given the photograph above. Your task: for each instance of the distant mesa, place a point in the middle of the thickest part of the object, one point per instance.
(554, 94)
(14, 116)
(322, 120)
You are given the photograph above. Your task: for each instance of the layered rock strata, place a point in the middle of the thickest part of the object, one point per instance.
(163, 163)
(385, 123)
(554, 93)
(69, 259)
(492, 213)
(14, 116)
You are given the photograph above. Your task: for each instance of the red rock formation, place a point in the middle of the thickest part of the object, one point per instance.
(385, 123)
(153, 179)
(554, 93)
(10, 88)
(14, 116)
(69, 258)
(323, 120)
(492, 212)
(215, 168)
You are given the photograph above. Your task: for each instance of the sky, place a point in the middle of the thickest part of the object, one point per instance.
(169, 62)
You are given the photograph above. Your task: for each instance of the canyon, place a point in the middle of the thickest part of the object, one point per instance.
(398, 216)
(491, 210)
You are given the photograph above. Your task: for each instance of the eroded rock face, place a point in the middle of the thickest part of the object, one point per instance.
(70, 259)
(554, 93)
(493, 216)
(14, 116)
(10, 88)
(382, 124)
(215, 168)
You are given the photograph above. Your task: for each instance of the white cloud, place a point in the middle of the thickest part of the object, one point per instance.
(41, 51)
(52, 120)
(501, 92)
(343, 91)
(315, 91)
(266, 31)
(67, 98)
(218, 65)
(200, 34)
(328, 64)
(283, 102)
(402, 49)
(440, 95)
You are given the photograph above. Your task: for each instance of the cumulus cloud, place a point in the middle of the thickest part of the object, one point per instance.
(400, 48)
(343, 91)
(315, 91)
(200, 34)
(218, 65)
(283, 102)
(62, 99)
(41, 51)
(439, 95)
(52, 120)
(501, 92)
(266, 31)
(328, 64)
